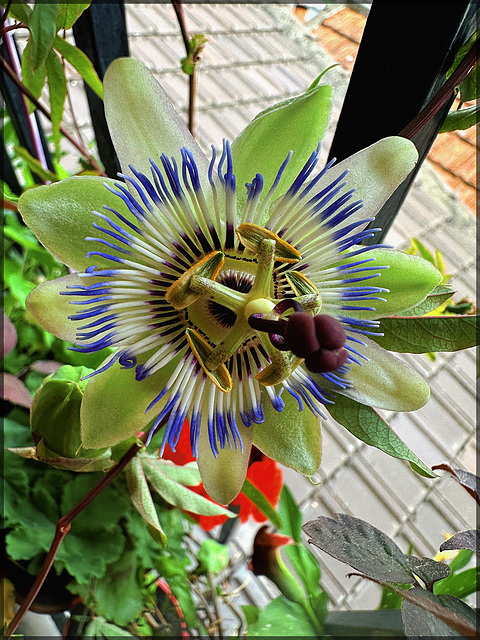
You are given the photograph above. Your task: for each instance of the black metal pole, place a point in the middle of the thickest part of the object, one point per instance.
(404, 54)
(101, 33)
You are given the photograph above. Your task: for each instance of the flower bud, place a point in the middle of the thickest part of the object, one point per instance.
(55, 415)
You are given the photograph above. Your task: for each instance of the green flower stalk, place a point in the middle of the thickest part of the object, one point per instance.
(185, 265)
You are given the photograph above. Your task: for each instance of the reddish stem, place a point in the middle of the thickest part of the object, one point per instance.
(62, 528)
(163, 585)
(439, 99)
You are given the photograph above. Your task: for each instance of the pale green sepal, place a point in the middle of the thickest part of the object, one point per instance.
(409, 280)
(223, 476)
(374, 173)
(291, 437)
(61, 217)
(51, 310)
(114, 404)
(385, 381)
(297, 124)
(142, 120)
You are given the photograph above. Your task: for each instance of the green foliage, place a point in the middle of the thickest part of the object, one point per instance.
(367, 425)
(280, 617)
(461, 119)
(261, 502)
(212, 557)
(431, 333)
(40, 61)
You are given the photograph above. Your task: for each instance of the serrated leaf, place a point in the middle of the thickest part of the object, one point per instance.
(142, 500)
(57, 90)
(367, 425)
(261, 502)
(80, 63)
(42, 31)
(428, 570)
(360, 545)
(461, 119)
(469, 539)
(434, 299)
(98, 627)
(432, 333)
(212, 556)
(118, 594)
(68, 13)
(176, 494)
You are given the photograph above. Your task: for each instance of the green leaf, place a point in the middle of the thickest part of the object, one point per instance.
(35, 165)
(290, 514)
(57, 89)
(461, 584)
(281, 617)
(296, 124)
(433, 333)
(19, 10)
(175, 493)
(261, 502)
(422, 250)
(360, 545)
(33, 79)
(42, 31)
(68, 13)
(460, 560)
(98, 627)
(434, 299)
(469, 88)
(251, 613)
(142, 500)
(306, 566)
(365, 424)
(117, 595)
(81, 63)
(461, 119)
(212, 557)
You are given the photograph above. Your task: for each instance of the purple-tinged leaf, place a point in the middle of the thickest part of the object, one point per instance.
(469, 481)
(469, 539)
(9, 335)
(437, 616)
(428, 570)
(14, 391)
(360, 545)
(411, 334)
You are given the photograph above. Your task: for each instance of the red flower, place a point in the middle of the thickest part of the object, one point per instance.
(263, 473)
